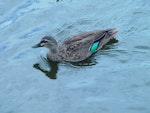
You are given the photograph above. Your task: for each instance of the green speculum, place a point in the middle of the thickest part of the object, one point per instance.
(94, 47)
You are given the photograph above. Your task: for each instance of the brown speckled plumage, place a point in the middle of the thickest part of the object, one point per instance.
(76, 48)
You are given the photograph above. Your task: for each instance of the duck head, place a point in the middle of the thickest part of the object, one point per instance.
(47, 41)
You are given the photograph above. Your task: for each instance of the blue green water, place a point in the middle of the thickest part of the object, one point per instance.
(118, 81)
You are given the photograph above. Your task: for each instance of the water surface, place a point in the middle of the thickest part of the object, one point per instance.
(117, 81)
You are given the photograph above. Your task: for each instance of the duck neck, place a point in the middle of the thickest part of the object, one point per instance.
(53, 53)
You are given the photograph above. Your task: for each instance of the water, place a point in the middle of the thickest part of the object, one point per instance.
(118, 80)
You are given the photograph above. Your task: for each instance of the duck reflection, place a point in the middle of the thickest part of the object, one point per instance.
(49, 73)
(52, 73)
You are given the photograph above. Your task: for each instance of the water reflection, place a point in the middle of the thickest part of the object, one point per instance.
(108, 45)
(87, 62)
(52, 73)
(49, 73)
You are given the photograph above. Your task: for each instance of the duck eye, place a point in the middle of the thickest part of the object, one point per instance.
(43, 41)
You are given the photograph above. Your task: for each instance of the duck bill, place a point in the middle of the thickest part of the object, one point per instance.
(36, 45)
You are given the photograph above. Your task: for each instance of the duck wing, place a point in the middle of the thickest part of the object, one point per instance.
(80, 46)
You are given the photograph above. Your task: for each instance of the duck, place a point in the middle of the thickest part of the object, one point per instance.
(78, 47)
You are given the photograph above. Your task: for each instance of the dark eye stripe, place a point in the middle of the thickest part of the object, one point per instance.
(43, 41)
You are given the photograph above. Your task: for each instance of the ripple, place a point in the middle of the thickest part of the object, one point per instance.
(31, 32)
(138, 108)
(2, 48)
(17, 13)
(142, 47)
(147, 83)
